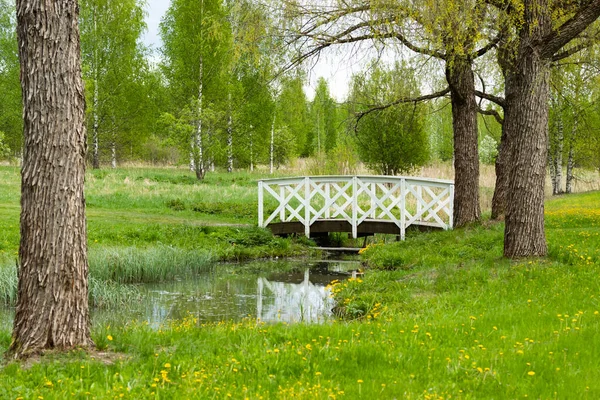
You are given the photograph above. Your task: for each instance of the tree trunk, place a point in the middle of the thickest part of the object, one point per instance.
(229, 137)
(460, 77)
(113, 153)
(272, 149)
(501, 168)
(96, 102)
(571, 160)
(52, 303)
(557, 158)
(527, 125)
(197, 149)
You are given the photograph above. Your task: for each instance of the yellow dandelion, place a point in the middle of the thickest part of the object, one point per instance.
(109, 337)
(531, 373)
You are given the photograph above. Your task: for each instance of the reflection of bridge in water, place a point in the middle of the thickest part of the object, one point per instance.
(360, 205)
(307, 300)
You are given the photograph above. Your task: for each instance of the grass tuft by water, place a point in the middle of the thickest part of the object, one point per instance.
(155, 264)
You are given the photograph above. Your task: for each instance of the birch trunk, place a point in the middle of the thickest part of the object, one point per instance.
(229, 137)
(52, 300)
(95, 104)
(272, 150)
(571, 160)
(558, 159)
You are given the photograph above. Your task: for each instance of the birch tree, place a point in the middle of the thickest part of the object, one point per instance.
(113, 59)
(11, 109)
(52, 301)
(196, 43)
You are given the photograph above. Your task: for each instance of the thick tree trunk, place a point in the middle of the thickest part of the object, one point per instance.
(52, 304)
(527, 126)
(460, 77)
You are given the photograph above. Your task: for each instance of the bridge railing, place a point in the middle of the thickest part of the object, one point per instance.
(403, 201)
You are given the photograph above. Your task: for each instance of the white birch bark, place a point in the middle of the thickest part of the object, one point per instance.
(229, 137)
(272, 152)
(571, 160)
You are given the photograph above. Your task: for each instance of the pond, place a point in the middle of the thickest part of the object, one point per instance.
(269, 291)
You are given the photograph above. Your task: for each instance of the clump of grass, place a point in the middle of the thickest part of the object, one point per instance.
(154, 264)
(102, 294)
(112, 295)
(8, 284)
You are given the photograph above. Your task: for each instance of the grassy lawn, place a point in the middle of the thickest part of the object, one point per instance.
(439, 316)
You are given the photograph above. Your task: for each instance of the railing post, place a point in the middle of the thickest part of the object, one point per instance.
(419, 203)
(307, 206)
(327, 197)
(402, 209)
(373, 203)
(451, 206)
(260, 204)
(354, 207)
(281, 199)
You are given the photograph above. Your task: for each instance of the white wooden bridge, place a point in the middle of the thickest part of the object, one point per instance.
(361, 205)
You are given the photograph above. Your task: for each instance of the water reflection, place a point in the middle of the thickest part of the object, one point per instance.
(230, 294)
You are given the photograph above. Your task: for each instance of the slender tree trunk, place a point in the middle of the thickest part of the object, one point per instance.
(460, 77)
(272, 151)
(52, 301)
(251, 150)
(557, 158)
(96, 102)
(527, 123)
(571, 160)
(197, 143)
(113, 153)
(230, 137)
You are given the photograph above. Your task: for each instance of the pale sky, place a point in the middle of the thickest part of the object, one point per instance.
(336, 69)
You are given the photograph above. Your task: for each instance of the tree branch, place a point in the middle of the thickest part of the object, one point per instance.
(554, 41)
(403, 100)
(493, 113)
(494, 99)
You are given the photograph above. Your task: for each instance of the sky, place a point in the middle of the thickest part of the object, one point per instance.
(335, 68)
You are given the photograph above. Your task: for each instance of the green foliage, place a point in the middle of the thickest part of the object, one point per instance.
(293, 113)
(4, 149)
(392, 140)
(488, 150)
(10, 86)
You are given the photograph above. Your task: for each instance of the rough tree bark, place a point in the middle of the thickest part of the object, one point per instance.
(460, 77)
(539, 41)
(52, 303)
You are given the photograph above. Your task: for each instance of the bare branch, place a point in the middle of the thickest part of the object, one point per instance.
(403, 100)
(493, 113)
(494, 99)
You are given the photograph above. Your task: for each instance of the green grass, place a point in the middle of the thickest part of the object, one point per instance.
(441, 315)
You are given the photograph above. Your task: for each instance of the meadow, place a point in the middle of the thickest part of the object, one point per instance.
(441, 315)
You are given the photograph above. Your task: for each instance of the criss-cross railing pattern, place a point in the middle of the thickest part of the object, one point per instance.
(401, 200)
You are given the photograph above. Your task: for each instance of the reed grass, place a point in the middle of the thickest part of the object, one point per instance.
(154, 264)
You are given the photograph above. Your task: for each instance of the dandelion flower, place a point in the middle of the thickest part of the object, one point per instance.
(109, 337)
(531, 373)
